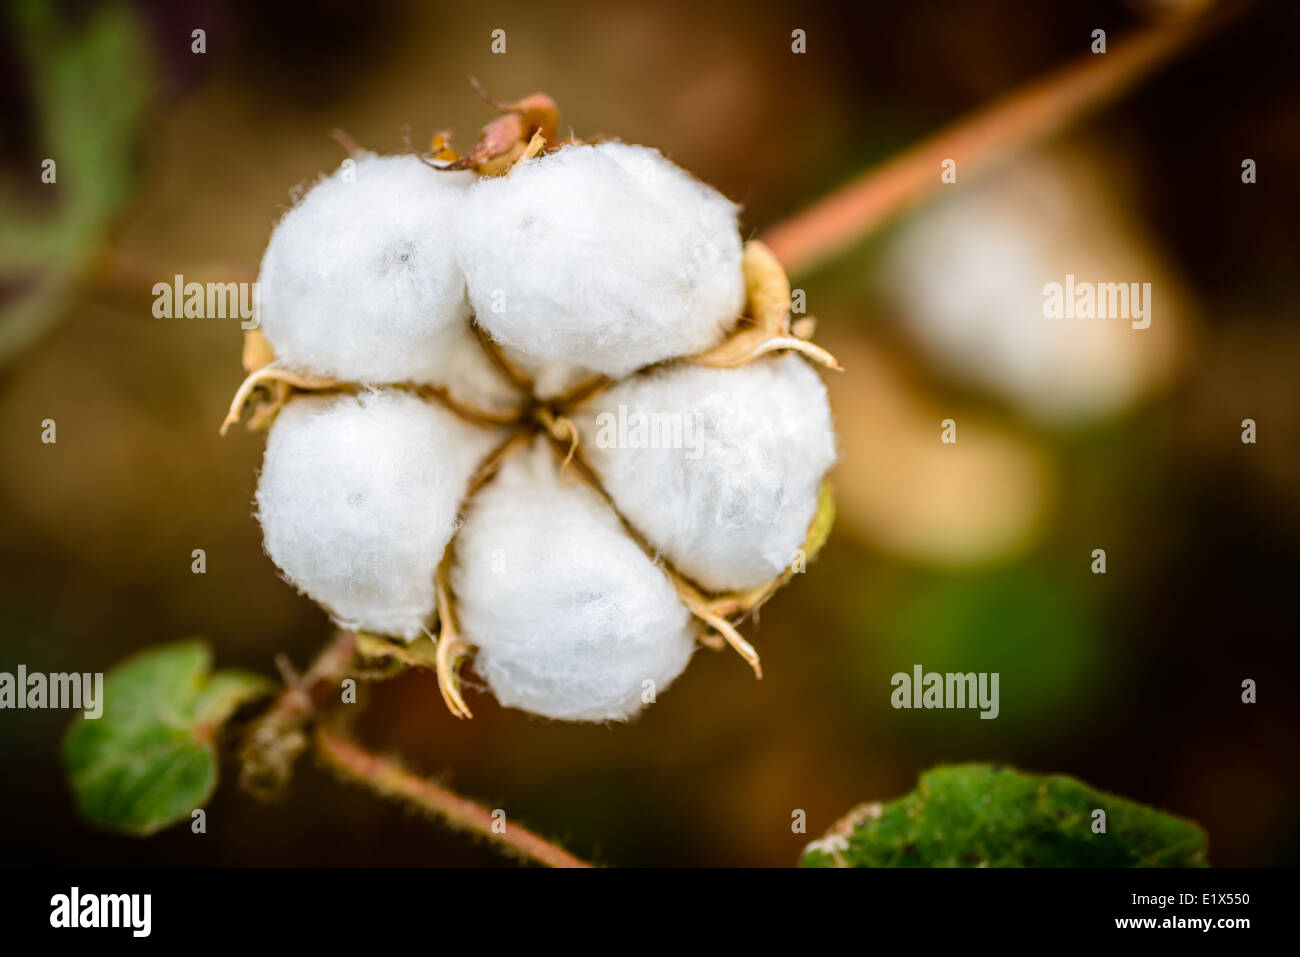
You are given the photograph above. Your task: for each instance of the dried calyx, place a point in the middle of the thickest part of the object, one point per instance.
(540, 394)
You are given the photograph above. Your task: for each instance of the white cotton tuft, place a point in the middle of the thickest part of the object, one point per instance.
(719, 469)
(358, 497)
(359, 281)
(570, 618)
(607, 256)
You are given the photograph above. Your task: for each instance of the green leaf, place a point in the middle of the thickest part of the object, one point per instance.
(149, 760)
(980, 815)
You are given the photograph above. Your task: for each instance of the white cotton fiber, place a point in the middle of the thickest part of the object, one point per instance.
(719, 469)
(550, 379)
(607, 256)
(359, 281)
(358, 497)
(471, 376)
(570, 618)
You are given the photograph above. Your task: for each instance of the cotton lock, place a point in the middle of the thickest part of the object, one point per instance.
(358, 497)
(720, 469)
(607, 256)
(570, 618)
(359, 280)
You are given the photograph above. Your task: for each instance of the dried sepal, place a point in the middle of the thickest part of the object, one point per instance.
(701, 607)
(534, 148)
(272, 375)
(419, 653)
(766, 327)
(452, 648)
(440, 149)
(257, 351)
(527, 124)
(716, 611)
(257, 355)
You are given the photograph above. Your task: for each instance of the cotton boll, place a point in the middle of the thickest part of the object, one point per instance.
(569, 616)
(719, 469)
(358, 497)
(359, 281)
(608, 257)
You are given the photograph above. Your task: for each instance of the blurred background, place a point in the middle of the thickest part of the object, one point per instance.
(1073, 435)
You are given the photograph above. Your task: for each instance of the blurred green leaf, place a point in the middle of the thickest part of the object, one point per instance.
(149, 759)
(89, 85)
(1030, 622)
(979, 815)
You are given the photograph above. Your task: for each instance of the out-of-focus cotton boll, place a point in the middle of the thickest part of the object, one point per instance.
(967, 275)
(607, 256)
(358, 497)
(359, 281)
(569, 616)
(900, 488)
(719, 469)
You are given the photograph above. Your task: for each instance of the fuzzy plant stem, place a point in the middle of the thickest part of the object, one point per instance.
(279, 736)
(390, 779)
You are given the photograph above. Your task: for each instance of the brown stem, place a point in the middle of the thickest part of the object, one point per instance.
(390, 779)
(1022, 117)
(275, 740)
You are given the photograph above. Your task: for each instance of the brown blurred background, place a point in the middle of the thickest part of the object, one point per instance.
(1072, 437)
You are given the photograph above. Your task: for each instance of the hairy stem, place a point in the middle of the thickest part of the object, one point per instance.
(274, 742)
(390, 779)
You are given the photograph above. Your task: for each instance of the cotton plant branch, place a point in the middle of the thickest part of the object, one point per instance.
(390, 779)
(1026, 115)
(276, 739)
(298, 718)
